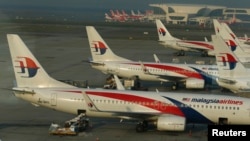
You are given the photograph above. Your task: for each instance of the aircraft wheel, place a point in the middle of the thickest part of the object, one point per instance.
(142, 127)
(204, 54)
(178, 54)
(174, 86)
(182, 53)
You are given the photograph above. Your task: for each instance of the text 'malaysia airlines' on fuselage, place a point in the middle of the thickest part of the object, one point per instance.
(169, 111)
(233, 75)
(166, 39)
(195, 76)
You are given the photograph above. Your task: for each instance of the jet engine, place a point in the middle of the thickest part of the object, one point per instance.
(171, 123)
(193, 83)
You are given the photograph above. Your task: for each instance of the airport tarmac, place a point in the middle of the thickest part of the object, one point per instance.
(64, 56)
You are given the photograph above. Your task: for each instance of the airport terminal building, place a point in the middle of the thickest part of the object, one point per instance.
(188, 13)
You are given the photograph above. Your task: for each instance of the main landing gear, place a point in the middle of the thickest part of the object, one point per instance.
(175, 86)
(180, 53)
(142, 126)
(204, 54)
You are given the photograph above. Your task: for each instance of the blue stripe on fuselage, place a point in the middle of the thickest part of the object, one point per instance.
(209, 79)
(192, 116)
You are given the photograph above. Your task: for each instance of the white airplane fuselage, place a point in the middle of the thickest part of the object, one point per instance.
(193, 46)
(195, 108)
(170, 111)
(160, 71)
(174, 44)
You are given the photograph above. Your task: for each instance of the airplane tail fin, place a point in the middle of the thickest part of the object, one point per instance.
(228, 64)
(233, 20)
(107, 16)
(162, 31)
(27, 69)
(112, 13)
(217, 26)
(230, 32)
(132, 13)
(223, 30)
(100, 51)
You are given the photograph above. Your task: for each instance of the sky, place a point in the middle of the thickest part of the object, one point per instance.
(126, 4)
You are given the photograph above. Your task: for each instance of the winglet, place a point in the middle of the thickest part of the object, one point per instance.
(206, 40)
(157, 60)
(144, 69)
(119, 85)
(90, 104)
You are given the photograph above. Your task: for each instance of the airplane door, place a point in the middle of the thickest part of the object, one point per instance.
(53, 99)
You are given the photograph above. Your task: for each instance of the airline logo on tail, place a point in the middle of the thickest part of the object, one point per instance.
(162, 31)
(228, 59)
(232, 45)
(30, 69)
(100, 47)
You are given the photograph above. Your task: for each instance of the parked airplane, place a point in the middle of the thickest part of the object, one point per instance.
(241, 50)
(229, 20)
(244, 39)
(245, 47)
(137, 16)
(166, 39)
(232, 73)
(193, 75)
(232, 20)
(201, 20)
(169, 111)
(108, 18)
(227, 33)
(124, 14)
(117, 17)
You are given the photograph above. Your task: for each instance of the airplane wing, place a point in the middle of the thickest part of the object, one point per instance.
(91, 104)
(170, 78)
(228, 81)
(163, 77)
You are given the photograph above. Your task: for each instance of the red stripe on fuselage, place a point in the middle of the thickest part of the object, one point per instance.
(181, 71)
(147, 102)
(208, 46)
